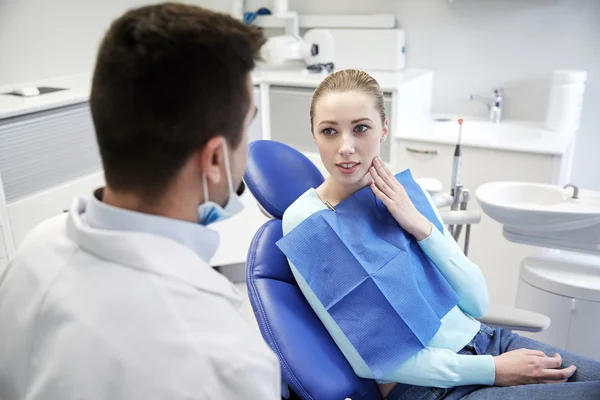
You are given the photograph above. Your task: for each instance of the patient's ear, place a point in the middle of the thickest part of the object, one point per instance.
(385, 130)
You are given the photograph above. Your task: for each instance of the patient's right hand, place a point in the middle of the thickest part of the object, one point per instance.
(524, 367)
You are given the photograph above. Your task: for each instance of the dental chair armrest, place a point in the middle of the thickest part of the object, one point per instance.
(440, 199)
(515, 319)
(460, 217)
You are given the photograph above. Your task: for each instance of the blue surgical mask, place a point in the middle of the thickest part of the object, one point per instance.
(210, 212)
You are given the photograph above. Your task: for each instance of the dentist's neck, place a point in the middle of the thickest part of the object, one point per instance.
(180, 201)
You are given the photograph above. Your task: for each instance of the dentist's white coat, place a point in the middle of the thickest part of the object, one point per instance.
(96, 314)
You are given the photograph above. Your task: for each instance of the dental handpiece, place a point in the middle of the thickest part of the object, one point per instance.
(456, 167)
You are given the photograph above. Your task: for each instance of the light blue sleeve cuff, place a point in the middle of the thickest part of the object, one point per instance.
(476, 370)
(437, 248)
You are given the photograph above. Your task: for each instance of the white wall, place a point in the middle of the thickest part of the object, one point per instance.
(45, 38)
(471, 45)
(475, 45)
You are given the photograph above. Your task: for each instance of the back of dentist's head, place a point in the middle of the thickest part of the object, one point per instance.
(168, 79)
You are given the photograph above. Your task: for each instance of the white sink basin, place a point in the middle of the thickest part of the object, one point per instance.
(477, 130)
(532, 206)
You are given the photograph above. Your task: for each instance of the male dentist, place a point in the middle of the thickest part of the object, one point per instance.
(116, 299)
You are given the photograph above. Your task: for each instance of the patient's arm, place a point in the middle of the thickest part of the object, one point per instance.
(429, 367)
(464, 276)
(443, 368)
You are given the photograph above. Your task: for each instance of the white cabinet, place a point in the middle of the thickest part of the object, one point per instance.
(46, 159)
(3, 244)
(43, 149)
(498, 258)
(557, 308)
(574, 321)
(3, 247)
(585, 325)
(3, 252)
(290, 118)
(255, 128)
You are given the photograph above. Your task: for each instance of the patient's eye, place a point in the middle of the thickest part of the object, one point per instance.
(328, 131)
(361, 128)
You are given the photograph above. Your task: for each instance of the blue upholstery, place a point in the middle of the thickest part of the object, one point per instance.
(311, 363)
(278, 174)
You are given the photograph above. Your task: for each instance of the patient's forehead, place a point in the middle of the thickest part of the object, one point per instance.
(341, 106)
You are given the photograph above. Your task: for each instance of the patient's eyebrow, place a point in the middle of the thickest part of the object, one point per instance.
(328, 122)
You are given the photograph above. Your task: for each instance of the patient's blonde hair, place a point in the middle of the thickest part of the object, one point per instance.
(348, 80)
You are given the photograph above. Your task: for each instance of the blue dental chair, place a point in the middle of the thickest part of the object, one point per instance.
(312, 366)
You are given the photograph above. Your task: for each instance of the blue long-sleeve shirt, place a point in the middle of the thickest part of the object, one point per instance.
(438, 364)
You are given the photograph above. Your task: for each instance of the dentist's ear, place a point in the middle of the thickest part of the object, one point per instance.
(211, 159)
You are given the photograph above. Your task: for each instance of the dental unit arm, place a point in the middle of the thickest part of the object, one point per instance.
(457, 199)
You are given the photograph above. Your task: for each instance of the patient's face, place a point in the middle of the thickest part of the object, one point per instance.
(348, 131)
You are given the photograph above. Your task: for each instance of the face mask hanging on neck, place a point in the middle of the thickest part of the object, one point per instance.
(210, 212)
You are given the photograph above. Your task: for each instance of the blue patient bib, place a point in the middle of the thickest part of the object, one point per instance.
(372, 277)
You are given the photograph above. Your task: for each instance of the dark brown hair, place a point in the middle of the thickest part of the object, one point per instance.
(168, 78)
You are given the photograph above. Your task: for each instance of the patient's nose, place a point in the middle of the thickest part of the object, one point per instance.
(347, 145)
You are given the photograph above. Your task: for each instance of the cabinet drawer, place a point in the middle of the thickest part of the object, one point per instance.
(290, 118)
(425, 160)
(45, 149)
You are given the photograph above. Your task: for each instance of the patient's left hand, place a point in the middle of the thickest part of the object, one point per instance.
(387, 188)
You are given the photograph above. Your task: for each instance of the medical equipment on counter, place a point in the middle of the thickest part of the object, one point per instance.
(312, 364)
(315, 49)
(563, 281)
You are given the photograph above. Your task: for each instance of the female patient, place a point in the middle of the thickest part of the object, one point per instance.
(465, 357)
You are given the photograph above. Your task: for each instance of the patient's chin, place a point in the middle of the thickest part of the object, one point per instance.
(355, 180)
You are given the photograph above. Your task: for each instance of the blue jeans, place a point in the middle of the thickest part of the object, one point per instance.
(583, 385)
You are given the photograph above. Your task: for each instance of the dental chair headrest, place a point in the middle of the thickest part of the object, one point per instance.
(277, 175)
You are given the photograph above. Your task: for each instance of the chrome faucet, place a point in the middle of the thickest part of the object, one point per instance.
(494, 104)
(575, 190)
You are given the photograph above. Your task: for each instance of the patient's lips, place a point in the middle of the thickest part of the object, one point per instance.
(347, 167)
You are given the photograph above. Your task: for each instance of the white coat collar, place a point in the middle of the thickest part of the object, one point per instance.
(202, 240)
(147, 252)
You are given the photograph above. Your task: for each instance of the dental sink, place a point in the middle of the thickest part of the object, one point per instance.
(542, 214)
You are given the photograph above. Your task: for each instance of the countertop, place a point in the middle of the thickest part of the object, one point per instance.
(77, 91)
(78, 88)
(525, 136)
(388, 81)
